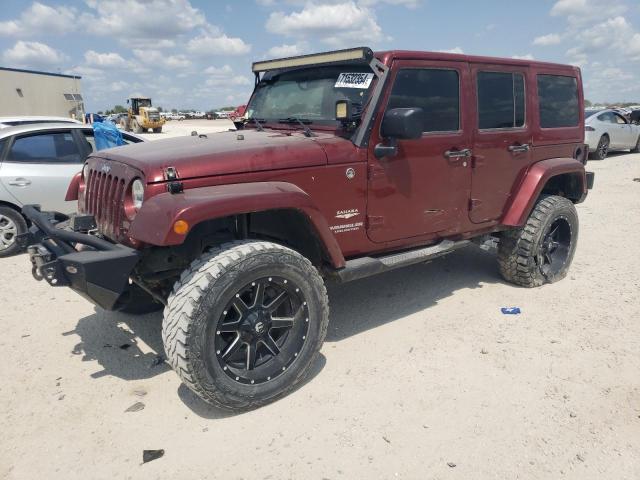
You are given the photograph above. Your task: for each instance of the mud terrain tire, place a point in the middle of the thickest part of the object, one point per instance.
(208, 292)
(542, 250)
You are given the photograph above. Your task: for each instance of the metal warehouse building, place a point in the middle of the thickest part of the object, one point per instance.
(29, 92)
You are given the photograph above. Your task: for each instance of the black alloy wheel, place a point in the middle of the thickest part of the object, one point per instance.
(261, 331)
(555, 247)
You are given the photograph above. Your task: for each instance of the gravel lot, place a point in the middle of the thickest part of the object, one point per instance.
(177, 128)
(421, 376)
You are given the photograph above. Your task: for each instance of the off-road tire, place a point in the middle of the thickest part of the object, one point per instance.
(197, 301)
(157, 130)
(519, 248)
(20, 225)
(602, 150)
(636, 149)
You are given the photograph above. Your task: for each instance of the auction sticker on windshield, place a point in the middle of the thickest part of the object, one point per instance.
(354, 80)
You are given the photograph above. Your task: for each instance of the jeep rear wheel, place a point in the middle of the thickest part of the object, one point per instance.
(245, 323)
(541, 251)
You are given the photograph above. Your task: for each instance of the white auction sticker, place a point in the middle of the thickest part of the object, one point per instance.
(354, 80)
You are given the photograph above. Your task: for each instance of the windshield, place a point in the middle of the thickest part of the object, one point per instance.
(310, 93)
(144, 102)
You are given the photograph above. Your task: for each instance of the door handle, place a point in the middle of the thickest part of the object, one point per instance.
(518, 148)
(457, 154)
(20, 182)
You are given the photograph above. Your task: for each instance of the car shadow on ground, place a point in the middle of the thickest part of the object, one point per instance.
(130, 347)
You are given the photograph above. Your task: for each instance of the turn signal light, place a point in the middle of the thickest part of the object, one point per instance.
(181, 227)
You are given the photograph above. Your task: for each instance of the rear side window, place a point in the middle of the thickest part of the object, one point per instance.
(558, 101)
(436, 91)
(59, 147)
(501, 100)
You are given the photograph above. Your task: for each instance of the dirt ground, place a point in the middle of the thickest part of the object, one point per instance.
(421, 376)
(176, 128)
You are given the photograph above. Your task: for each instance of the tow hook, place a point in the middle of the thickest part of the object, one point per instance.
(40, 256)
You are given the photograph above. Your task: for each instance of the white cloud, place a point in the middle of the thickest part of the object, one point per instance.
(286, 50)
(40, 19)
(527, 56)
(339, 24)
(546, 40)
(583, 11)
(135, 19)
(452, 50)
(403, 3)
(210, 44)
(111, 60)
(33, 55)
(569, 7)
(156, 57)
(224, 76)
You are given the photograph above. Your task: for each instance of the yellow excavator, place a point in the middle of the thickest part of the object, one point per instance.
(141, 116)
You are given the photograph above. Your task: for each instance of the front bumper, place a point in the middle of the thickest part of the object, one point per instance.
(95, 268)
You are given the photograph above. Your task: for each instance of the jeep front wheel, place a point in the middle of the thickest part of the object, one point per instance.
(245, 323)
(542, 250)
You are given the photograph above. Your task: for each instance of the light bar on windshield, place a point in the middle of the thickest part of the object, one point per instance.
(360, 54)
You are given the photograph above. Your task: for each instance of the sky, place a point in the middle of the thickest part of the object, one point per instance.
(197, 54)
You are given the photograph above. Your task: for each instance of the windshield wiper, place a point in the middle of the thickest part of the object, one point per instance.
(257, 121)
(301, 122)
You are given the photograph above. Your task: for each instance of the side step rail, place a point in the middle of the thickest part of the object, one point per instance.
(368, 266)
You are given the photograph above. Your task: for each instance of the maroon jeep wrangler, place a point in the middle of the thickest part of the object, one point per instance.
(351, 163)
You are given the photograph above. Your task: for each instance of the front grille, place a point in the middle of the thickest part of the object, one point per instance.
(104, 199)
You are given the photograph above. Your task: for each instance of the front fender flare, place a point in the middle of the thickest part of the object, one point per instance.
(534, 182)
(154, 222)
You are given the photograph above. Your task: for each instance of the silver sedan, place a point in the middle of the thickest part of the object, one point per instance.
(37, 163)
(607, 130)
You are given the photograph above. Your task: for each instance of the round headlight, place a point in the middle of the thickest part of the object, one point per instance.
(137, 193)
(85, 172)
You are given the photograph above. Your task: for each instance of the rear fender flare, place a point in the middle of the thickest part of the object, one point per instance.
(153, 224)
(533, 183)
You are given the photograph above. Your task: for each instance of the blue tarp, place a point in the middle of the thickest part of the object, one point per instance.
(107, 135)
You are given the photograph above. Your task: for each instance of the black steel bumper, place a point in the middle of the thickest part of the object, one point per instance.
(95, 268)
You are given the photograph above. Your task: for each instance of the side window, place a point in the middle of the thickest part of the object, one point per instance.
(607, 117)
(620, 119)
(436, 91)
(558, 101)
(501, 100)
(3, 142)
(59, 147)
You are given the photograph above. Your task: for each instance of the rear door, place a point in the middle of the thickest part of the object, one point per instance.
(424, 189)
(38, 167)
(624, 132)
(502, 137)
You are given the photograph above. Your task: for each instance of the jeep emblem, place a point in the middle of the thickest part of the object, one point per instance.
(105, 168)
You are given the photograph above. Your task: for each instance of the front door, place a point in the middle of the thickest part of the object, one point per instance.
(424, 189)
(37, 169)
(502, 137)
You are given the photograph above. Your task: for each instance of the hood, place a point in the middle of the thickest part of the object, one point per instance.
(221, 153)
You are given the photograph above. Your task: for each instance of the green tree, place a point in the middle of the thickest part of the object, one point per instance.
(119, 109)
(587, 103)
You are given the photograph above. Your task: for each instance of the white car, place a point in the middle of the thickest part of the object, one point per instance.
(607, 130)
(175, 116)
(13, 121)
(37, 163)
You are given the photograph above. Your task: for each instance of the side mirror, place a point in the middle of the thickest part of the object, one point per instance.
(399, 124)
(403, 123)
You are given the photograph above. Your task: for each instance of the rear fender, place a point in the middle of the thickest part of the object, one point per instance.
(534, 182)
(154, 222)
